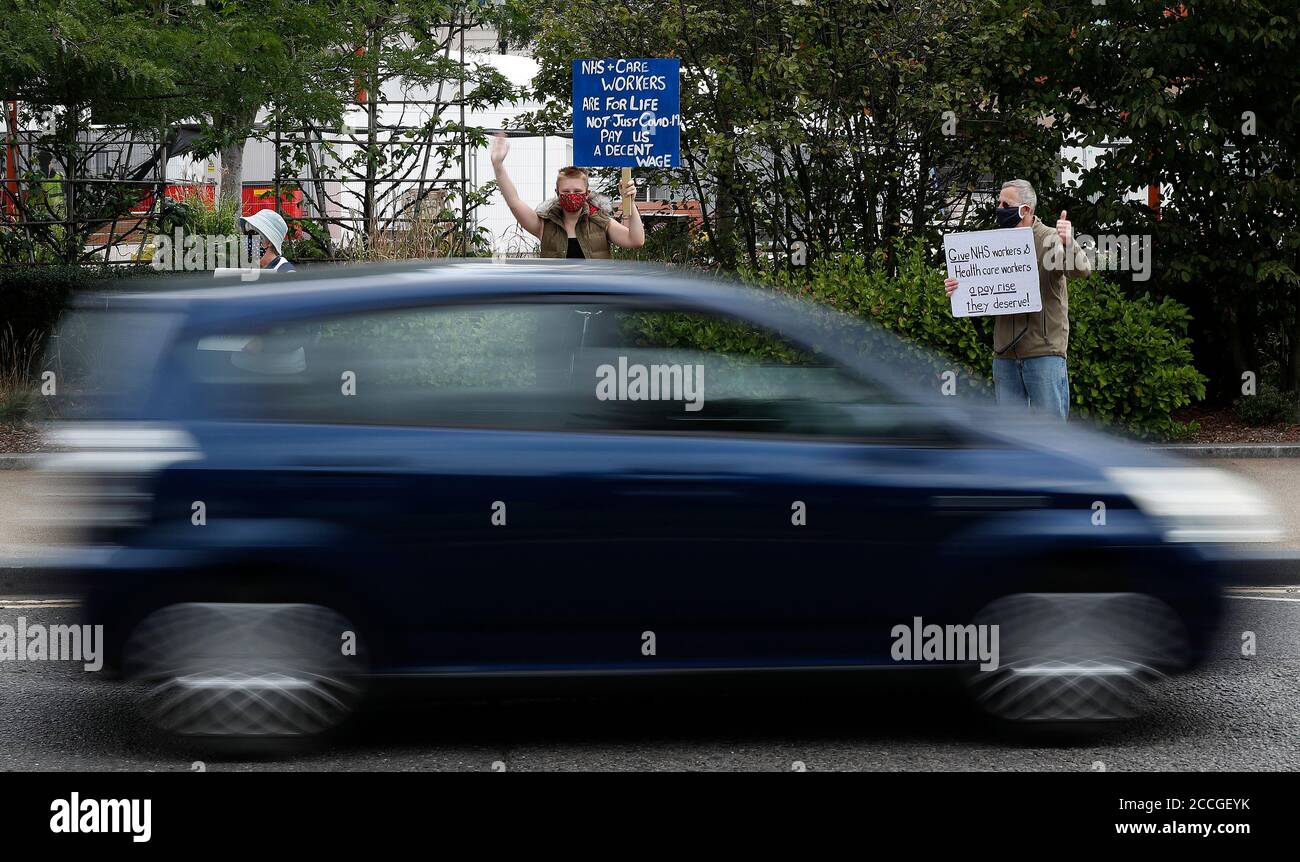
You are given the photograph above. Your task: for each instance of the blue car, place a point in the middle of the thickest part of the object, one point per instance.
(305, 484)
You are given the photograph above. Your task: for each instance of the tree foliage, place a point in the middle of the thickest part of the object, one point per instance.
(841, 125)
(236, 69)
(1201, 98)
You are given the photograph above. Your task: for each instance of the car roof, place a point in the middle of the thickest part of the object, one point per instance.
(361, 285)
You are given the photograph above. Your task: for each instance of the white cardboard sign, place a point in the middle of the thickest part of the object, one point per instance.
(996, 272)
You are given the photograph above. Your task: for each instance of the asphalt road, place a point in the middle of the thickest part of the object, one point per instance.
(1234, 713)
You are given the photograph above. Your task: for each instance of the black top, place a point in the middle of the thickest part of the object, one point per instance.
(575, 250)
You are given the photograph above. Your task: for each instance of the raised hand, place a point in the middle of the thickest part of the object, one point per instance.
(500, 147)
(1064, 229)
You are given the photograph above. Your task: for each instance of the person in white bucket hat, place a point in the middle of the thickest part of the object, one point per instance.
(267, 227)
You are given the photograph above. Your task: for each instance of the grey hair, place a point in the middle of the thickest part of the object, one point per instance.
(1028, 197)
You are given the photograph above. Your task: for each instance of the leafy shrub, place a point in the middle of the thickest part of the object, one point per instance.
(33, 297)
(15, 405)
(1268, 406)
(18, 358)
(1130, 358)
(910, 305)
(218, 217)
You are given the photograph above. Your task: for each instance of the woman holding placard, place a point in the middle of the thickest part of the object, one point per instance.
(577, 222)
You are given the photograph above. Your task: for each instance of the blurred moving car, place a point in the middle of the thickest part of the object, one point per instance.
(520, 469)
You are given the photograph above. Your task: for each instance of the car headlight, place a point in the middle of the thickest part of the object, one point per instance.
(1201, 504)
(97, 475)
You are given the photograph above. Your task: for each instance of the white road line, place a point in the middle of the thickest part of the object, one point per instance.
(18, 603)
(22, 604)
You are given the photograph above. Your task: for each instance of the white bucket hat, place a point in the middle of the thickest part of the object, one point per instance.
(270, 225)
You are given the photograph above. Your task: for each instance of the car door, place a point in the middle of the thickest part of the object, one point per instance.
(494, 484)
(787, 515)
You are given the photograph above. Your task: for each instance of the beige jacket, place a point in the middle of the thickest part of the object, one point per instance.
(1046, 332)
(590, 229)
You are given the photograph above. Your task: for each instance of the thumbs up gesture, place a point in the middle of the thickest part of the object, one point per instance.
(1064, 229)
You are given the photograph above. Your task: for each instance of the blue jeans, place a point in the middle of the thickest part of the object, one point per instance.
(1041, 384)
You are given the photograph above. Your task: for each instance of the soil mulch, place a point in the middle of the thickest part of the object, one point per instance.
(18, 439)
(1221, 425)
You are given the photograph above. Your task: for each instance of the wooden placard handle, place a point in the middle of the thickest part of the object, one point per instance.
(628, 202)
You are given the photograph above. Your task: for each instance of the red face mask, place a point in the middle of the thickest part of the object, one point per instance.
(572, 203)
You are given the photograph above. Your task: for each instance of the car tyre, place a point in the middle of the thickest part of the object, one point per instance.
(246, 671)
(1070, 659)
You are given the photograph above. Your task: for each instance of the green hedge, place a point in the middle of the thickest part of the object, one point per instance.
(1130, 358)
(33, 297)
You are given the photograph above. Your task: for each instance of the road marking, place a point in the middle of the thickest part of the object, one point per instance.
(23, 604)
(14, 603)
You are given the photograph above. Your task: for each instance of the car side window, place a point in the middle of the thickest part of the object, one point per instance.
(499, 365)
(677, 371)
(544, 366)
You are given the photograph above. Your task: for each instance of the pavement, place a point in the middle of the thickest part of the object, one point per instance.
(1281, 480)
(25, 535)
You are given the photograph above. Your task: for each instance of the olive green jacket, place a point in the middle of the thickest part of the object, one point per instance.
(590, 231)
(1046, 332)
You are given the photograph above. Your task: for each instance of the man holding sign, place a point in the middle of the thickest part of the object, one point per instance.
(1032, 330)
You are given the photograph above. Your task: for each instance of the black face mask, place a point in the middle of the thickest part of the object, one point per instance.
(1007, 216)
(255, 247)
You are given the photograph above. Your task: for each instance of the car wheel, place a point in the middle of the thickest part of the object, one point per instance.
(1070, 658)
(246, 670)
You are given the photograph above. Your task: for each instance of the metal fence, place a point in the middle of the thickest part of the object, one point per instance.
(74, 191)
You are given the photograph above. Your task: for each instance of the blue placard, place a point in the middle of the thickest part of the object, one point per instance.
(627, 113)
